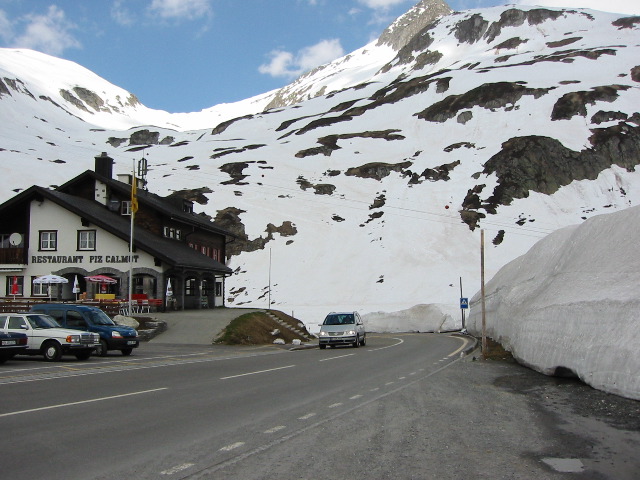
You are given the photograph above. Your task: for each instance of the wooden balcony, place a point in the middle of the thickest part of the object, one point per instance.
(12, 256)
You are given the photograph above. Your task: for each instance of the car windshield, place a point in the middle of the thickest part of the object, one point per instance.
(98, 317)
(42, 321)
(339, 319)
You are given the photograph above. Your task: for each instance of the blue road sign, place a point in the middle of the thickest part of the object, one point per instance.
(464, 302)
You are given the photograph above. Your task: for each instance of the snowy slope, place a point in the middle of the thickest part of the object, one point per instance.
(372, 196)
(571, 303)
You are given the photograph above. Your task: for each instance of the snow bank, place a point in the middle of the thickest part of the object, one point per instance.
(419, 318)
(572, 303)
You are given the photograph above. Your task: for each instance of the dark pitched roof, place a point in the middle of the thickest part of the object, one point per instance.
(173, 252)
(154, 201)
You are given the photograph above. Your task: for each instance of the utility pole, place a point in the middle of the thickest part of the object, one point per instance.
(484, 317)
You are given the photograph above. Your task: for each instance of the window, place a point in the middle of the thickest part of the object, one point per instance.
(14, 285)
(126, 207)
(48, 240)
(218, 289)
(205, 288)
(190, 287)
(86, 239)
(38, 289)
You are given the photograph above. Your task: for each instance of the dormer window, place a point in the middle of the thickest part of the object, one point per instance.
(187, 207)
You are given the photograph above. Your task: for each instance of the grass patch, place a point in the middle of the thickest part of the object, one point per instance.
(255, 328)
(495, 351)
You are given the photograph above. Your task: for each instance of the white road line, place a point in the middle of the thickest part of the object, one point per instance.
(340, 356)
(389, 383)
(232, 446)
(101, 399)
(375, 389)
(401, 378)
(257, 372)
(177, 468)
(334, 405)
(307, 416)
(400, 341)
(275, 429)
(355, 397)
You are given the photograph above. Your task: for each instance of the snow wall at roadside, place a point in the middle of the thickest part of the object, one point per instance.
(572, 302)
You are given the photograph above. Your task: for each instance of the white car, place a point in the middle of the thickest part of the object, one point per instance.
(47, 338)
(342, 328)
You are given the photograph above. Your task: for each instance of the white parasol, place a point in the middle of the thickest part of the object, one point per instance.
(49, 280)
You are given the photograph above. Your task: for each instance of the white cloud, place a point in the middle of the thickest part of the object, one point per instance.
(381, 4)
(285, 64)
(6, 28)
(181, 9)
(121, 14)
(629, 7)
(49, 33)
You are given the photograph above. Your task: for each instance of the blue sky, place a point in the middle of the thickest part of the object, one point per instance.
(187, 55)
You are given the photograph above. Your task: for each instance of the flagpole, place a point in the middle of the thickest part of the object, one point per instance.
(134, 208)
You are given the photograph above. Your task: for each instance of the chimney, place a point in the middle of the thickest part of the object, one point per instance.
(104, 165)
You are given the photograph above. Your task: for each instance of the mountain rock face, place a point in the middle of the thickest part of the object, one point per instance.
(365, 184)
(406, 27)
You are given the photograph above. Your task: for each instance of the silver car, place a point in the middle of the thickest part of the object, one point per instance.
(342, 328)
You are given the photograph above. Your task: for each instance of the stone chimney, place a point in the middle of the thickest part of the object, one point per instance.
(104, 165)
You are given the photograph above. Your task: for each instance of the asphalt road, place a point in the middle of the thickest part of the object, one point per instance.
(403, 407)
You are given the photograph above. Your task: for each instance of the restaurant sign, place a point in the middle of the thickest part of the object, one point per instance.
(76, 259)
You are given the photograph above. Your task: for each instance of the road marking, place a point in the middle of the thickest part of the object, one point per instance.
(400, 341)
(389, 383)
(355, 397)
(257, 372)
(232, 446)
(464, 345)
(177, 468)
(401, 378)
(340, 356)
(101, 399)
(375, 389)
(307, 416)
(334, 405)
(275, 429)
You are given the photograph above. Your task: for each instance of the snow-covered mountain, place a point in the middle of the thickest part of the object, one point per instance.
(369, 193)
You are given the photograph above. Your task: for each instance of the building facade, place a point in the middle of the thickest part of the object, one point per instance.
(83, 229)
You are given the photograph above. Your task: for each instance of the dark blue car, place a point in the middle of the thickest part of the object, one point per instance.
(11, 344)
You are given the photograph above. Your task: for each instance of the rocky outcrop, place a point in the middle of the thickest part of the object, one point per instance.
(408, 26)
(543, 164)
(229, 219)
(489, 96)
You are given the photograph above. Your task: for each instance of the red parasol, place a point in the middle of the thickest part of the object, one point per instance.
(15, 288)
(101, 279)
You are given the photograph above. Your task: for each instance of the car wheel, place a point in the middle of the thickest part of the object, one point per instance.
(126, 351)
(364, 341)
(356, 344)
(52, 351)
(84, 355)
(101, 350)
(322, 347)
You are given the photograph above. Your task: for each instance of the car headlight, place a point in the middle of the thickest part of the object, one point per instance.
(96, 338)
(350, 332)
(115, 334)
(324, 334)
(73, 338)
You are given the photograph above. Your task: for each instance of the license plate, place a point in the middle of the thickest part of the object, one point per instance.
(8, 342)
(131, 342)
